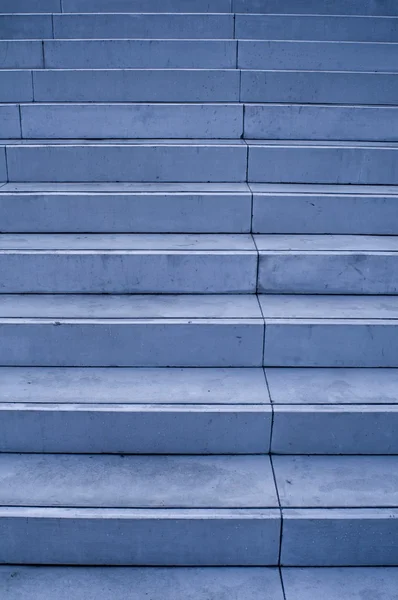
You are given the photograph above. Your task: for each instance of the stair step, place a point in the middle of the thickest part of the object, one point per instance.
(101, 121)
(127, 160)
(327, 264)
(334, 411)
(323, 162)
(142, 6)
(333, 7)
(141, 54)
(330, 331)
(315, 27)
(311, 87)
(319, 209)
(21, 54)
(134, 411)
(25, 26)
(155, 331)
(135, 85)
(344, 510)
(118, 208)
(338, 583)
(125, 264)
(315, 56)
(277, 121)
(29, 6)
(179, 583)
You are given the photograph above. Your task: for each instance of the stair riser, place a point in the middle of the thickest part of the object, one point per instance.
(30, 6)
(96, 121)
(140, 540)
(335, 430)
(317, 87)
(143, 6)
(118, 213)
(131, 85)
(133, 343)
(331, 344)
(334, 7)
(323, 164)
(328, 28)
(327, 273)
(161, 163)
(276, 122)
(318, 56)
(343, 538)
(128, 273)
(118, 26)
(319, 214)
(123, 430)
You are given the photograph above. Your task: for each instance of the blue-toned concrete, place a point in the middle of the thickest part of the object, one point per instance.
(317, 56)
(140, 54)
(176, 537)
(147, 6)
(336, 7)
(137, 85)
(317, 209)
(344, 537)
(9, 121)
(316, 87)
(30, 6)
(340, 583)
(339, 162)
(30, 27)
(192, 161)
(101, 121)
(42, 583)
(3, 165)
(120, 208)
(316, 27)
(16, 86)
(156, 26)
(302, 122)
(21, 54)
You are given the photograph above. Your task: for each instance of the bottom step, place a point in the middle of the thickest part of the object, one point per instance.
(80, 583)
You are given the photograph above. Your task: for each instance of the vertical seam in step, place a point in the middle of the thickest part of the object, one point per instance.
(52, 23)
(257, 273)
(243, 129)
(252, 208)
(282, 582)
(236, 54)
(280, 510)
(33, 87)
(272, 407)
(234, 25)
(61, 5)
(20, 121)
(240, 84)
(43, 54)
(6, 159)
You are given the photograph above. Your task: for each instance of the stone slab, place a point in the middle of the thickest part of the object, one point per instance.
(16, 86)
(85, 583)
(335, 429)
(337, 481)
(102, 121)
(136, 429)
(296, 162)
(334, 7)
(320, 122)
(104, 481)
(137, 85)
(317, 87)
(142, 26)
(145, 6)
(9, 121)
(21, 54)
(317, 56)
(167, 537)
(22, 26)
(340, 537)
(316, 27)
(340, 583)
(140, 54)
(333, 386)
(30, 6)
(130, 162)
(168, 210)
(3, 164)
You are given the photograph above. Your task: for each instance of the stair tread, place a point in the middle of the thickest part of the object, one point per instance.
(198, 386)
(301, 188)
(101, 583)
(326, 243)
(125, 188)
(333, 387)
(97, 307)
(101, 481)
(128, 242)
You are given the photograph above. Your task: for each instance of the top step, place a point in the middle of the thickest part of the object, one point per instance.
(325, 7)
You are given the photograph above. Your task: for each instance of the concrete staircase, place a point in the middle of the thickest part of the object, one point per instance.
(198, 299)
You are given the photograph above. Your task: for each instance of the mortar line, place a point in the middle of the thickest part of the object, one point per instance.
(6, 159)
(282, 582)
(20, 121)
